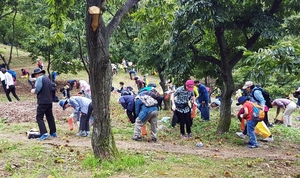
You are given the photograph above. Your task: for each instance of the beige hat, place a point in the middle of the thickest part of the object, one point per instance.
(247, 84)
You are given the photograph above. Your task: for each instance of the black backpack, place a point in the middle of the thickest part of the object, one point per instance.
(266, 96)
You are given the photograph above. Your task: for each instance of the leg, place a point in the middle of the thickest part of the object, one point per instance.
(13, 91)
(250, 129)
(152, 118)
(182, 122)
(7, 92)
(188, 122)
(50, 119)
(40, 111)
(287, 115)
(137, 127)
(89, 114)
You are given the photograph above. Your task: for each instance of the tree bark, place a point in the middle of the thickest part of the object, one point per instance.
(103, 142)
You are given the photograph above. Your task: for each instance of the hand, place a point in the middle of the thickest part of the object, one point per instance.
(242, 115)
(72, 115)
(125, 110)
(32, 90)
(173, 107)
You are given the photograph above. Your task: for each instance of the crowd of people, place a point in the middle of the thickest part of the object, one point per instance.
(140, 109)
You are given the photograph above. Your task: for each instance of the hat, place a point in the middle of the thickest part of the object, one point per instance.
(3, 70)
(189, 84)
(247, 84)
(62, 103)
(241, 100)
(37, 71)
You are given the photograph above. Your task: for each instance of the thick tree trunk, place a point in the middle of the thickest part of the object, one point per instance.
(225, 110)
(103, 142)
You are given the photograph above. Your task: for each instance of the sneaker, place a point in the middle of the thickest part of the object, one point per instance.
(240, 134)
(44, 137)
(53, 135)
(190, 135)
(81, 134)
(88, 134)
(270, 125)
(137, 138)
(154, 140)
(268, 139)
(252, 146)
(184, 137)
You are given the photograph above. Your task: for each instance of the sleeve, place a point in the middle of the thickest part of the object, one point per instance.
(38, 84)
(76, 106)
(123, 102)
(138, 105)
(259, 96)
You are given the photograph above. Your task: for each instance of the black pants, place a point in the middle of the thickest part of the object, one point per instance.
(131, 115)
(45, 109)
(184, 120)
(11, 89)
(85, 119)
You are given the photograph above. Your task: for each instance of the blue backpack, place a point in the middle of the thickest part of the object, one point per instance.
(13, 73)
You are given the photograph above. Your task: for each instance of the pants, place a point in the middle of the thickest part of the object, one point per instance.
(204, 109)
(131, 115)
(251, 124)
(184, 120)
(85, 119)
(11, 89)
(152, 118)
(31, 83)
(287, 115)
(3, 85)
(45, 109)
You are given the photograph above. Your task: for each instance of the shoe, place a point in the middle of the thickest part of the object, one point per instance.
(240, 134)
(270, 125)
(53, 135)
(184, 137)
(289, 125)
(154, 140)
(252, 146)
(44, 137)
(190, 135)
(268, 139)
(137, 138)
(88, 134)
(81, 134)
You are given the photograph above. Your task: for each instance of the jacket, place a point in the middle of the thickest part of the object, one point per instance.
(80, 104)
(127, 101)
(142, 111)
(43, 88)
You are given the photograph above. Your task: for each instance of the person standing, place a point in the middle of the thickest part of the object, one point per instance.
(251, 122)
(180, 104)
(288, 107)
(124, 63)
(9, 85)
(43, 87)
(203, 100)
(26, 75)
(83, 106)
(2, 77)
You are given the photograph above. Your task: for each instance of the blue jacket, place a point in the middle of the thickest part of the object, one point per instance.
(127, 101)
(80, 104)
(142, 111)
(203, 94)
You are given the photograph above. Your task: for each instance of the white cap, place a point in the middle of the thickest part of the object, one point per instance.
(247, 84)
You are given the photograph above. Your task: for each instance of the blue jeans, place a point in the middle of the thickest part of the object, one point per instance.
(251, 124)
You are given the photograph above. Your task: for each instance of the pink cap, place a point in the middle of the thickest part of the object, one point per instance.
(189, 84)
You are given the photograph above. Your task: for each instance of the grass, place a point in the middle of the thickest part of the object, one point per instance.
(29, 158)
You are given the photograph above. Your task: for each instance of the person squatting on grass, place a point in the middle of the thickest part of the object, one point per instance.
(288, 107)
(26, 75)
(180, 100)
(81, 105)
(145, 114)
(9, 85)
(251, 122)
(43, 88)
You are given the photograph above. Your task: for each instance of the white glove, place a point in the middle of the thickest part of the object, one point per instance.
(242, 115)
(72, 115)
(78, 123)
(32, 90)
(173, 107)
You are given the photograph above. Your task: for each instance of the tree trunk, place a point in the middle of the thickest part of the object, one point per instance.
(103, 142)
(225, 109)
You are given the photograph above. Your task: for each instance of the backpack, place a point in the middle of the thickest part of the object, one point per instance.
(13, 73)
(258, 112)
(147, 100)
(266, 96)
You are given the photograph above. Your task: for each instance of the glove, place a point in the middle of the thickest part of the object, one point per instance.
(242, 115)
(72, 115)
(173, 107)
(32, 90)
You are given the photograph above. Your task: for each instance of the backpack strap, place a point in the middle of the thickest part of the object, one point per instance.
(252, 93)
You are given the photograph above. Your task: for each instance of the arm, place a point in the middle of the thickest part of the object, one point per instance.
(76, 106)
(259, 96)
(38, 84)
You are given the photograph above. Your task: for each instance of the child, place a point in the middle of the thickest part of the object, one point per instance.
(251, 123)
(81, 105)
